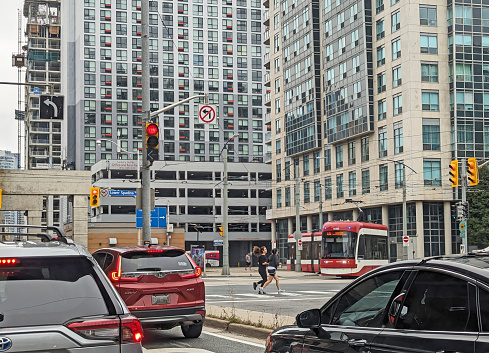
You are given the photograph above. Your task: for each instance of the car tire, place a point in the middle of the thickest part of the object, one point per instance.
(192, 331)
(208, 265)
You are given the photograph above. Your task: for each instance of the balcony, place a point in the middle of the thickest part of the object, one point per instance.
(266, 3)
(268, 99)
(267, 79)
(266, 61)
(266, 18)
(268, 137)
(268, 157)
(268, 118)
(266, 37)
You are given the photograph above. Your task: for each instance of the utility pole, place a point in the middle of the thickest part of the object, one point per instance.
(225, 234)
(145, 170)
(464, 200)
(404, 217)
(297, 235)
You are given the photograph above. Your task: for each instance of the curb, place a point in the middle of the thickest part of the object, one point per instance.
(240, 329)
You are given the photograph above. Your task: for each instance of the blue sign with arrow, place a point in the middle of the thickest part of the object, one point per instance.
(158, 218)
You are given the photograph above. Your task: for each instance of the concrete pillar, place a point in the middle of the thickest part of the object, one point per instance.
(290, 226)
(448, 227)
(329, 216)
(49, 210)
(34, 218)
(355, 214)
(309, 223)
(385, 215)
(80, 219)
(419, 231)
(274, 233)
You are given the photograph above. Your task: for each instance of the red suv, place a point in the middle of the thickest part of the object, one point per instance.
(161, 285)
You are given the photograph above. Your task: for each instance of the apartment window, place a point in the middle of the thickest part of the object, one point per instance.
(430, 100)
(383, 177)
(287, 170)
(396, 76)
(395, 21)
(427, 15)
(365, 149)
(399, 175)
(431, 134)
(351, 153)
(380, 56)
(432, 172)
(380, 29)
(352, 183)
(381, 82)
(317, 164)
(379, 6)
(341, 45)
(397, 104)
(339, 186)
(463, 73)
(278, 145)
(305, 165)
(339, 156)
(287, 196)
(429, 44)
(307, 192)
(279, 198)
(396, 48)
(327, 159)
(398, 139)
(381, 110)
(365, 181)
(317, 190)
(328, 189)
(393, 2)
(429, 72)
(382, 142)
(278, 169)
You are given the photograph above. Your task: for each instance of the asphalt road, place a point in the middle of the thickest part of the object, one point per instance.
(211, 341)
(300, 294)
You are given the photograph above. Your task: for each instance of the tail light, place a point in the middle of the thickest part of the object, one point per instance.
(194, 274)
(9, 261)
(116, 275)
(127, 329)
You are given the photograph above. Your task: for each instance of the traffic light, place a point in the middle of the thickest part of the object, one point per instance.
(220, 231)
(94, 197)
(472, 172)
(152, 141)
(454, 173)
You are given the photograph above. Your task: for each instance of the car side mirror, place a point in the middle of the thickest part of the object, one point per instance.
(395, 307)
(309, 319)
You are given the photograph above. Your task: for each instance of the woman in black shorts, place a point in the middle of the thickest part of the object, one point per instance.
(262, 269)
(273, 264)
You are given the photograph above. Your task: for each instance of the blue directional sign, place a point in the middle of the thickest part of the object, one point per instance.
(158, 218)
(122, 193)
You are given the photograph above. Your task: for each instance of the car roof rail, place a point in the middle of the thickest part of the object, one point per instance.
(46, 237)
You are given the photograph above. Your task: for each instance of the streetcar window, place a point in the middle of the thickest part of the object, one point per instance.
(340, 247)
(372, 247)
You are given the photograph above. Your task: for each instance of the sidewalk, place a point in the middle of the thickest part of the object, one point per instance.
(242, 272)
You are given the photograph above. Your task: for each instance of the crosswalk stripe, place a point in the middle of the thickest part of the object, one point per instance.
(318, 292)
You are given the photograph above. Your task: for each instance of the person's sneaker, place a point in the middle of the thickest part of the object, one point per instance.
(254, 285)
(261, 291)
(281, 291)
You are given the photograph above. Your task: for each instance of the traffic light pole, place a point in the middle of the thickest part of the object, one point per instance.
(145, 170)
(297, 234)
(464, 200)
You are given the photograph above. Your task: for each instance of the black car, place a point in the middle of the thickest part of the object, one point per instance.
(439, 304)
(54, 297)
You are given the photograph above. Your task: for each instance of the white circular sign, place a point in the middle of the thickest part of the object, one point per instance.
(207, 114)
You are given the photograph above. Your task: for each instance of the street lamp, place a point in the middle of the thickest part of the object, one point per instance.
(404, 206)
(99, 141)
(225, 234)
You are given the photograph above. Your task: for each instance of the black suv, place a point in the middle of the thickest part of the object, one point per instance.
(439, 304)
(55, 298)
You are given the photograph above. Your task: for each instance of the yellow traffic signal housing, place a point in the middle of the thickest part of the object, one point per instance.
(220, 232)
(152, 141)
(94, 197)
(472, 174)
(454, 173)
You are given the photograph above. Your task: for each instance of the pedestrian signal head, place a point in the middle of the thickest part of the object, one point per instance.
(152, 141)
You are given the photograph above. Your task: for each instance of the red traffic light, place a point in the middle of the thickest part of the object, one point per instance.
(152, 129)
(94, 191)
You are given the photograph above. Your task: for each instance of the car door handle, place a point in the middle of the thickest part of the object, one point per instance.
(357, 343)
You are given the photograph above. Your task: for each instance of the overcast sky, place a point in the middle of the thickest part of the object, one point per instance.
(8, 93)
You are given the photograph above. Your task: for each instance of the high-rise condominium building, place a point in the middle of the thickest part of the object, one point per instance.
(370, 99)
(197, 46)
(43, 148)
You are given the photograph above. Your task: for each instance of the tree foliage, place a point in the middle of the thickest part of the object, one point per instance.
(478, 223)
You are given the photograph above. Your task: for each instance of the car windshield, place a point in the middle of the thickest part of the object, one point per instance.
(142, 261)
(47, 291)
(339, 245)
